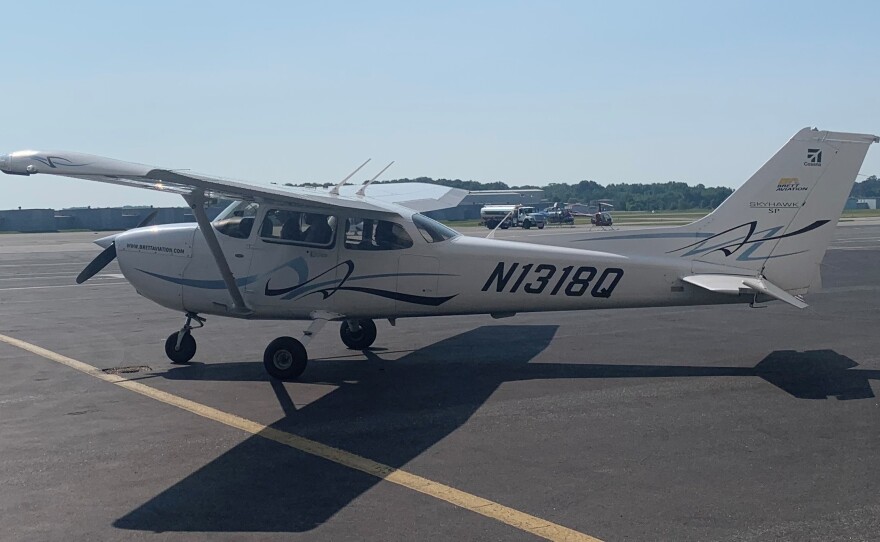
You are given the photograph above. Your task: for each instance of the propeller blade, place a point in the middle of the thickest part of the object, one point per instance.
(149, 219)
(105, 257)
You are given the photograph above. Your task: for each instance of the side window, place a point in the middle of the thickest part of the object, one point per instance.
(282, 224)
(295, 227)
(371, 234)
(239, 222)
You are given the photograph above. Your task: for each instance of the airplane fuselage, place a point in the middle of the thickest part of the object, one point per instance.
(172, 266)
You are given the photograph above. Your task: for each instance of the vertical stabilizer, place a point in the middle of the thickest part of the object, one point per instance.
(781, 221)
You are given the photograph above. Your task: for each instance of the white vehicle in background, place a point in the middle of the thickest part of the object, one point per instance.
(512, 215)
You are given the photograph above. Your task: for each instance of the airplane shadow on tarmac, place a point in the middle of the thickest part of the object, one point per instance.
(392, 411)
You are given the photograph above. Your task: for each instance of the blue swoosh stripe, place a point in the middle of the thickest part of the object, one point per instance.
(204, 284)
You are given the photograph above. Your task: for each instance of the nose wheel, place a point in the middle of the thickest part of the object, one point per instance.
(180, 347)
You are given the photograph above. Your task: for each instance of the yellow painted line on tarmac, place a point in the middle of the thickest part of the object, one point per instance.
(485, 507)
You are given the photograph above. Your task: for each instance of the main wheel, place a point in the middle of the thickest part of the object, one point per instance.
(358, 340)
(186, 351)
(285, 358)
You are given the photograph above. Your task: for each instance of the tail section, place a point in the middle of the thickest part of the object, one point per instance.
(781, 221)
(775, 227)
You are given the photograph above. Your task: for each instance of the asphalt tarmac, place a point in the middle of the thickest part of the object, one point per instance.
(698, 423)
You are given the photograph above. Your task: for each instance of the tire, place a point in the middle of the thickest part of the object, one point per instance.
(285, 358)
(526, 224)
(187, 348)
(541, 225)
(358, 340)
(505, 225)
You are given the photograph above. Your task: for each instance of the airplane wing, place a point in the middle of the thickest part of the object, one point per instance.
(415, 196)
(196, 188)
(419, 197)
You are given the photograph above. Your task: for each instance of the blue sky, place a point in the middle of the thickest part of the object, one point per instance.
(520, 92)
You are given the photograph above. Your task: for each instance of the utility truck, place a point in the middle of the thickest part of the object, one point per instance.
(512, 215)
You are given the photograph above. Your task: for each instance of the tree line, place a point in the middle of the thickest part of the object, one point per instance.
(669, 196)
(869, 188)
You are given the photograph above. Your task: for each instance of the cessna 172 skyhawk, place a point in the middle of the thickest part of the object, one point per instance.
(340, 255)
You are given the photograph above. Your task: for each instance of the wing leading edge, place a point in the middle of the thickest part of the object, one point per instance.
(421, 197)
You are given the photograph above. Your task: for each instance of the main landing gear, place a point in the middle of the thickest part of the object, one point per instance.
(358, 334)
(285, 358)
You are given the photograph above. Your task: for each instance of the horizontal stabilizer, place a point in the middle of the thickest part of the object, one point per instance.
(736, 284)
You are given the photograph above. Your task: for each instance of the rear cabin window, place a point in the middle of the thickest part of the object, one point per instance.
(371, 234)
(295, 227)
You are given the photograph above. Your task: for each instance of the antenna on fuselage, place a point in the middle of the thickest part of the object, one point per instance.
(335, 190)
(361, 190)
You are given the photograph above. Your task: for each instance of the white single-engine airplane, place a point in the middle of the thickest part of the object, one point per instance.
(340, 255)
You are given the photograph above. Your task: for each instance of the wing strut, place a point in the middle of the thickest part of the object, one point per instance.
(196, 202)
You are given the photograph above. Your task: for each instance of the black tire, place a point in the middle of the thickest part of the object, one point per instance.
(527, 224)
(285, 358)
(505, 225)
(186, 351)
(360, 339)
(541, 225)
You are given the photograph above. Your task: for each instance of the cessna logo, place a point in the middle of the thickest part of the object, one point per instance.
(814, 157)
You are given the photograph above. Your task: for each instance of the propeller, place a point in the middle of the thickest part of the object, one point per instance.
(108, 254)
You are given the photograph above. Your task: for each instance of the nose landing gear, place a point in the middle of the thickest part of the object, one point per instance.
(180, 347)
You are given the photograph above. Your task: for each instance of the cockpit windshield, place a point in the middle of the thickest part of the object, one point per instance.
(237, 220)
(433, 231)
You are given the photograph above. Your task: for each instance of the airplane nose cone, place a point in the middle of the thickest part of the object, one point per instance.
(105, 242)
(4, 162)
